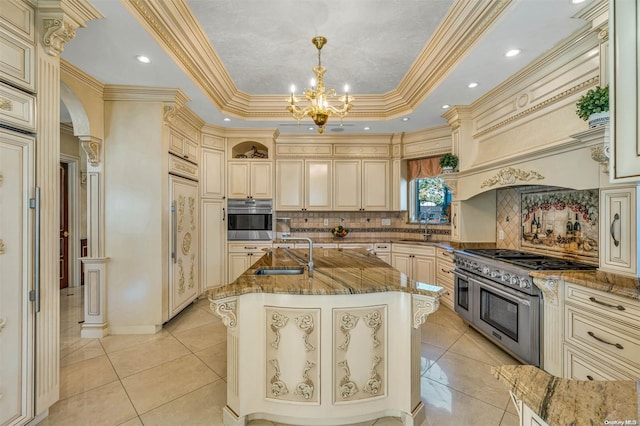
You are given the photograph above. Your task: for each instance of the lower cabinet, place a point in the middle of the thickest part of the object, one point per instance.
(242, 255)
(618, 240)
(416, 262)
(444, 274)
(383, 251)
(184, 250)
(213, 243)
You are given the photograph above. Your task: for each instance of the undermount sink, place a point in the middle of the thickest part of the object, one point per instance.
(279, 271)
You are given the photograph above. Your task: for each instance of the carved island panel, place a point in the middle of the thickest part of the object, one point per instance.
(359, 353)
(293, 354)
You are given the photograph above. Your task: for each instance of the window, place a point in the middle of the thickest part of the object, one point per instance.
(429, 199)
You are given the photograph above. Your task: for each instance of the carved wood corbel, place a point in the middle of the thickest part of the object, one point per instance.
(91, 147)
(56, 31)
(422, 307)
(225, 309)
(549, 288)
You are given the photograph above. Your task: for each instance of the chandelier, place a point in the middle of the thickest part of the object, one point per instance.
(318, 108)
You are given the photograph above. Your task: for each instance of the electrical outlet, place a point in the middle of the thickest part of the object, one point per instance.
(501, 234)
(326, 222)
(386, 222)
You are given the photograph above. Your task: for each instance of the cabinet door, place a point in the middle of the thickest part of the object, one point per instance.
(213, 173)
(239, 180)
(184, 232)
(455, 221)
(290, 184)
(386, 257)
(16, 312)
(618, 230)
(424, 269)
(347, 188)
(213, 243)
(190, 150)
(318, 186)
(402, 262)
(261, 180)
(375, 185)
(238, 263)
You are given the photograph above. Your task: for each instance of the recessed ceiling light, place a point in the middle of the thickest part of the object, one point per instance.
(446, 106)
(577, 1)
(405, 118)
(311, 128)
(367, 128)
(472, 85)
(143, 59)
(512, 52)
(226, 119)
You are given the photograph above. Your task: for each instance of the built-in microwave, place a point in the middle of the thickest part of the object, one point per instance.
(249, 219)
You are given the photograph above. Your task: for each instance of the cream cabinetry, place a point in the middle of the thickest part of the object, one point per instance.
(17, 172)
(213, 173)
(416, 262)
(444, 274)
(602, 335)
(383, 251)
(213, 237)
(304, 185)
(455, 221)
(250, 179)
(17, 44)
(17, 108)
(624, 89)
(242, 255)
(183, 146)
(618, 239)
(361, 185)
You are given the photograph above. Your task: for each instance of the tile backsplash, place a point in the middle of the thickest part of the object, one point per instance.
(552, 209)
(383, 225)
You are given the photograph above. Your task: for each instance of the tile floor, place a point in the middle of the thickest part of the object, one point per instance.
(177, 376)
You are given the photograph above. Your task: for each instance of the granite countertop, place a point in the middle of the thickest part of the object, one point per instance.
(336, 271)
(610, 283)
(572, 402)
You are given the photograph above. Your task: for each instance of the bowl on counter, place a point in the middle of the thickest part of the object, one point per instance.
(340, 231)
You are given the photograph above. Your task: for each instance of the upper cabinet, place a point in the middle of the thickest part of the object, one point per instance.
(303, 184)
(183, 146)
(17, 45)
(361, 185)
(624, 90)
(250, 179)
(618, 212)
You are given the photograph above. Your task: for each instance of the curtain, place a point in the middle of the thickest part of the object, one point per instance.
(424, 167)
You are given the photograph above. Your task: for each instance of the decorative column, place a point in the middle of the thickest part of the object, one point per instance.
(95, 264)
(553, 325)
(56, 22)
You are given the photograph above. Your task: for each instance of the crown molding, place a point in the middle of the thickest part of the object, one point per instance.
(77, 74)
(173, 26)
(432, 133)
(113, 92)
(368, 139)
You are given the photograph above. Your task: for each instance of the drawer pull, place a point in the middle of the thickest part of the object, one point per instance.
(611, 230)
(617, 345)
(250, 248)
(446, 271)
(618, 307)
(590, 378)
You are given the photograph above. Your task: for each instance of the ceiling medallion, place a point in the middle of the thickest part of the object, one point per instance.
(319, 109)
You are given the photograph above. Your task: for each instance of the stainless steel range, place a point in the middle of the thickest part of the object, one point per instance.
(495, 294)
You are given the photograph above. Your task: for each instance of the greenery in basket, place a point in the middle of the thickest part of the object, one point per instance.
(595, 100)
(449, 160)
(340, 231)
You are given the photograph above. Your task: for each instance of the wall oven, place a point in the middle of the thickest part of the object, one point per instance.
(249, 219)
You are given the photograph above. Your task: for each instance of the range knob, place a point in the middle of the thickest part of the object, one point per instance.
(505, 277)
(494, 274)
(525, 283)
(485, 270)
(514, 280)
(475, 266)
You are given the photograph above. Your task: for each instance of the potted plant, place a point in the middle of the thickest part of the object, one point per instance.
(448, 162)
(594, 106)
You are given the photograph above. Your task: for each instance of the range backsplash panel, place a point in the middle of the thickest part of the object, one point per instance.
(561, 221)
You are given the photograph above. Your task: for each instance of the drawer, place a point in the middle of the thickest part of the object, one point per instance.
(597, 334)
(180, 167)
(17, 108)
(301, 245)
(617, 307)
(18, 17)
(421, 250)
(579, 366)
(248, 247)
(355, 246)
(17, 61)
(382, 247)
(444, 254)
(284, 245)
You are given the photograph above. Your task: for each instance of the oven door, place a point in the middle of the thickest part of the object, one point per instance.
(249, 226)
(463, 296)
(509, 317)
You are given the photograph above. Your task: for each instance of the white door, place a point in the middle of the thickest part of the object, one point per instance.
(183, 237)
(238, 263)
(403, 263)
(375, 185)
(212, 177)
(261, 180)
(239, 180)
(16, 267)
(290, 185)
(424, 269)
(318, 185)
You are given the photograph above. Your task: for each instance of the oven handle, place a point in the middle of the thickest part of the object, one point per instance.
(520, 300)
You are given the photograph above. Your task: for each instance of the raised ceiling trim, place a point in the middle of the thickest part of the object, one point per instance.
(172, 24)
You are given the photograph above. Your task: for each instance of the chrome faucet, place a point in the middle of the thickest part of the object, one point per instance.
(310, 263)
(423, 215)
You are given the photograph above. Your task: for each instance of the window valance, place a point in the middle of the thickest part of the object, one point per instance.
(424, 168)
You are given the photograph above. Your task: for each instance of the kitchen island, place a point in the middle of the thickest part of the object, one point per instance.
(339, 346)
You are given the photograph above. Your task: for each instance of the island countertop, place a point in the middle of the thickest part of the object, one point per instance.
(336, 272)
